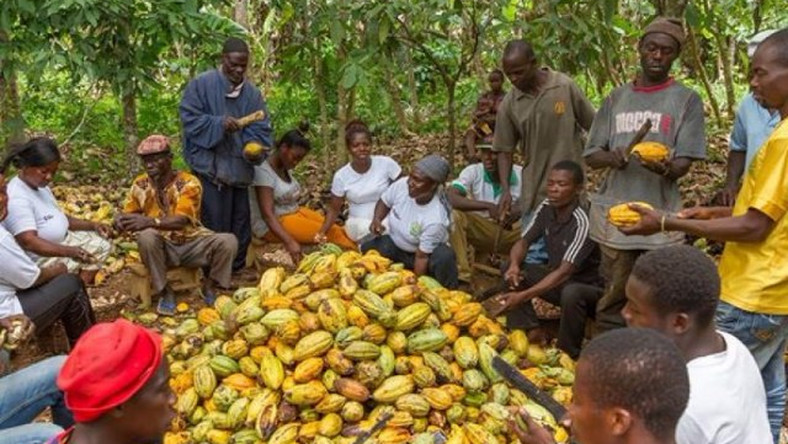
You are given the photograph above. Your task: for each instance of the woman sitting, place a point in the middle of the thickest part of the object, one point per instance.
(361, 183)
(44, 294)
(276, 216)
(418, 222)
(40, 227)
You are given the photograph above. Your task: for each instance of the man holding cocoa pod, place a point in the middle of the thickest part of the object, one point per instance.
(676, 116)
(754, 266)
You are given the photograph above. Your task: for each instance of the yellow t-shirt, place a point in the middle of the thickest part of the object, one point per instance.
(755, 275)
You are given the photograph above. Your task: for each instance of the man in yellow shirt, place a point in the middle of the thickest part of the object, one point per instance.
(163, 210)
(754, 265)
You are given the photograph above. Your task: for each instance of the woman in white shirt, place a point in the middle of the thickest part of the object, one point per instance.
(44, 294)
(418, 216)
(40, 227)
(276, 215)
(361, 183)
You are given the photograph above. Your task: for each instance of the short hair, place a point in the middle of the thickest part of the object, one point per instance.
(680, 278)
(294, 138)
(780, 41)
(639, 370)
(36, 152)
(496, 71)
(355, 126)
(234, 44)
(519, 46)
(578, 177)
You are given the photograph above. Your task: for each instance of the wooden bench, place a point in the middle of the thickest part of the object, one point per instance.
(180, 279)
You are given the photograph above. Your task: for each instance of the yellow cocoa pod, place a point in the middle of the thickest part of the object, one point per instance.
(651, 151)
(331, 425)
(393, 387)
(307, 370)
(275, 302)
(477, 434)
(621, 215)
(285, 434)
(207, 316)
(181, 382)
(466, 314)
(331, 403)
(239, 381)
(357, 317)
(393, 435)
(308, 431)
(437, 398)
(306, 394)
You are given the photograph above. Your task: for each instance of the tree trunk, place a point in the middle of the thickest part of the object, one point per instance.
(12, 124)
(412, 88)
(723, 47)
(394, 93)
(693, 45)
(130, 136)
(322, 103)
(451, 113)
(241, 14)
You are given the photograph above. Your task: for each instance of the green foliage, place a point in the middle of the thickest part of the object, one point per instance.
(328, 61)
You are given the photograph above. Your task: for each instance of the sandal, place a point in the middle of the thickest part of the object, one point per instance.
(166, 306)
(208, 296)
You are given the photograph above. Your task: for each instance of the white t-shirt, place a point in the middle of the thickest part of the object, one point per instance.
(362, 191)
(286, 196)
(475, 182)
(727, 402)
(413, 226)
(18, 272)
(35, 210)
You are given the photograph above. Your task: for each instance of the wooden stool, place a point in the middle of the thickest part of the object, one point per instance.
(255, 252)
(180, 279)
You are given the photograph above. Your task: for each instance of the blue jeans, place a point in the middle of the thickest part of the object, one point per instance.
(24, 395)
(765, 336)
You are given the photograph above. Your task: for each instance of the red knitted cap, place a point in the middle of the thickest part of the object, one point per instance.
(108, 365)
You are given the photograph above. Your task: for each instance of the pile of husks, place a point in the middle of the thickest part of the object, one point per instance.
(321, 355)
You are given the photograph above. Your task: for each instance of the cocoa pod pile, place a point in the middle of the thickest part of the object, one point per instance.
(321, 354)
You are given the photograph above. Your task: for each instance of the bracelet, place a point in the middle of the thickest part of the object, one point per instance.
(662, 223)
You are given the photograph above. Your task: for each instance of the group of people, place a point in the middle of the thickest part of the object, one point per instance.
(692, 330)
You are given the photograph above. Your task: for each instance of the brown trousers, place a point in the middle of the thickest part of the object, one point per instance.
(615, 269)
(214, 251)
(479, 231)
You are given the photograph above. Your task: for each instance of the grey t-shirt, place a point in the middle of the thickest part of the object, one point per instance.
(676, 113)
(286, 196)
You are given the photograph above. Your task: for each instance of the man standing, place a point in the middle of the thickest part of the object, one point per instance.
(162, 208)
(751, 128)
(215, 140)
(676, 114)
(474, 198)
(754, 266)
(545, 114)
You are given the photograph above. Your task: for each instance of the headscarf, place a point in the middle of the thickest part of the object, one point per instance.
(109, 364)
(437, 168)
